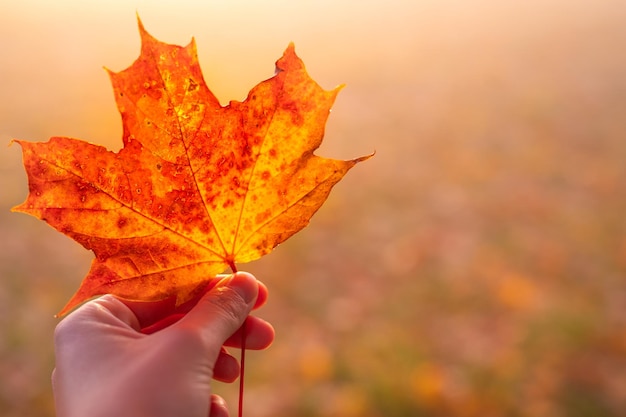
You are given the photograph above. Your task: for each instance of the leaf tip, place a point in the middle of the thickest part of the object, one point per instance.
(338, 88)
(289, 60)
(290, 51)
(364, 158)
(145, 37)
(142, 29)
(70, 306)
(12, 141)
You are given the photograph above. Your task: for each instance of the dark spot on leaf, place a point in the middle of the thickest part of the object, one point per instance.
(262, 217)
(192, 85)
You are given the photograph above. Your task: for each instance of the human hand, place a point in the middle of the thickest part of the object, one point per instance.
(105, 365)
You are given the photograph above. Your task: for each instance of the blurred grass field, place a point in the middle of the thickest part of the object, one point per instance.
(476, 266)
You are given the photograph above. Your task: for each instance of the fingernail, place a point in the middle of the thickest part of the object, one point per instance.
(223, 282)
(244, 284)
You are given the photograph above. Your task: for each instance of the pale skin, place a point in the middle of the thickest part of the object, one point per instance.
(105, 366)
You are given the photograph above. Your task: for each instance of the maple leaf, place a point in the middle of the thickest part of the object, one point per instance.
(197, 186)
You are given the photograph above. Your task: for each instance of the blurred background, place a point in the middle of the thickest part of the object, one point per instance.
(475, 267)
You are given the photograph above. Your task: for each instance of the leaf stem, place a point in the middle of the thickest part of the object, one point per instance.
(242, 367)
(242, 361)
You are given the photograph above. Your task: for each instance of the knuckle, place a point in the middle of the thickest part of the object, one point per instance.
(61, 331)
(229, 305)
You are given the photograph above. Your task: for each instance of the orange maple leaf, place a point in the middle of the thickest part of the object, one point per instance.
(197, 187)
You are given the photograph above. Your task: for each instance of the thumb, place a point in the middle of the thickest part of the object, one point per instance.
(223, 309)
